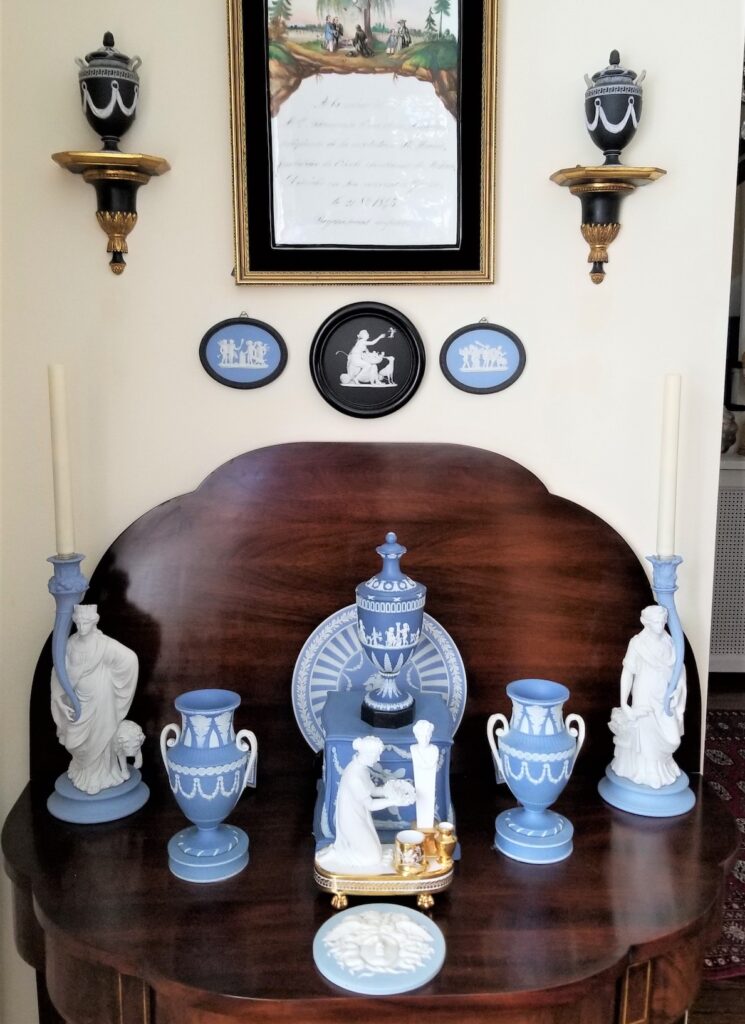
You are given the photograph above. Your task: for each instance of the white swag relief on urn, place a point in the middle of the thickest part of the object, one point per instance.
(379, 942)
(115, 101)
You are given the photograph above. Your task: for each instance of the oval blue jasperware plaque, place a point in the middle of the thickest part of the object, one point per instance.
(482, 358)
(243, 353)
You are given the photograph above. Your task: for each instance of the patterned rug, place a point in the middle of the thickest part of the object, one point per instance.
(724, 770)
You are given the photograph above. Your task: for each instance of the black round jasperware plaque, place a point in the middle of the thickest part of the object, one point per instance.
(367, 359)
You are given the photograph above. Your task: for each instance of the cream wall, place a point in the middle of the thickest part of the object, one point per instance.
(146, 421)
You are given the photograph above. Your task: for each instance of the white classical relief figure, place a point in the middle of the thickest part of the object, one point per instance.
(424, 757)
(357, 846)
(645, 736)
(379, 942)
(103, 673)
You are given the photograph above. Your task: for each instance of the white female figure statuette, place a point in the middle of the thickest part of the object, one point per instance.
(645, 736)
(424, 758)
(357, 847)
(103, 673)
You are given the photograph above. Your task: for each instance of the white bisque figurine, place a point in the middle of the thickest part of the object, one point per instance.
(424, 758)
(645, 736)
(103, 673)
(357, 848)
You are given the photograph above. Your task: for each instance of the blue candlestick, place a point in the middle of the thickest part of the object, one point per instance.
(664, 585)
(67, 587)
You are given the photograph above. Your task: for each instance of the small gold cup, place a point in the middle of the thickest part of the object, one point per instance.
(409, 859)
(430, 840)
(446, 840)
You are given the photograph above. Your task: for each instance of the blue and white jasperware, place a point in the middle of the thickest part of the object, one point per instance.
(332, 661)
(208, 766)
(535, 753)
(379, 949)
(390, 610)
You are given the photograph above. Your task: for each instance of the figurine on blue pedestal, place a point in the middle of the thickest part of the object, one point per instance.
(90, 699)
(643, 777)
(356, 846)
(424, 758)
(645, 736)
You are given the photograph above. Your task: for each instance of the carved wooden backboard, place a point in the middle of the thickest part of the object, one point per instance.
(222, 586)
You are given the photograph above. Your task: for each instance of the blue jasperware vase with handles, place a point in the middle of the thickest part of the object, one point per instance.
(208, 766)
(535, 753)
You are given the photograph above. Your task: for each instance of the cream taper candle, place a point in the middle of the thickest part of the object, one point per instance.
(668, 467)
(63, 519)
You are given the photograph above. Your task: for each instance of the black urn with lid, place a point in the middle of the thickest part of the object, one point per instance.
(109, 90)
(613, 107)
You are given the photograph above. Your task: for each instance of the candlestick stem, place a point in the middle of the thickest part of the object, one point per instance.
(67, 587)
(664, 585)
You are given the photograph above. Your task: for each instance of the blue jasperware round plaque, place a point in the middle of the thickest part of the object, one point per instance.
(379, 949)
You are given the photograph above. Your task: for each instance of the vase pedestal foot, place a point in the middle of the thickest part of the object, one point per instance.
(665, 802)
(71, 804)
(380, 715)
(533, 839)
(199, 855)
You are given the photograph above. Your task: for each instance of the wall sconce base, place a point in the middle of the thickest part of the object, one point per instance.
(600, 191)
(116, 178)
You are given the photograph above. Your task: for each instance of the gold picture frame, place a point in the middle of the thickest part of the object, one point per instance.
(466, 256)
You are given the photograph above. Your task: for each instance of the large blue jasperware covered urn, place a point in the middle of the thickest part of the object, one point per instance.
(390, 612)
(208, 766)
(535, 754)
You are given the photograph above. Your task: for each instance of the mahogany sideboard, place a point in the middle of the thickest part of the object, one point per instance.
(221, 587)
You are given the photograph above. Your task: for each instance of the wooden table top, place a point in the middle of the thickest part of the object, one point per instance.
(517, 935)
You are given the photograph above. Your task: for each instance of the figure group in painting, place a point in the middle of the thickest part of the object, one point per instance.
(333, 32)
(361, 46)
(399, 38)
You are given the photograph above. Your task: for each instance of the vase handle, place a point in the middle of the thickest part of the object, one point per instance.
(578, 732)
(501, 720)
(246, 740)
(166, 742)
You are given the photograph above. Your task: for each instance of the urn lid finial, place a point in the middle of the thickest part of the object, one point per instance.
(614, 73)
(391, 552)
(108, 53)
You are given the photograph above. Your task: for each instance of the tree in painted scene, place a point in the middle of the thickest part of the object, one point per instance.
(280, 13)
(280, 9)
(430, 26)
(442, 7)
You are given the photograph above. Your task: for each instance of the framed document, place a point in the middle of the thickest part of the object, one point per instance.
(363, 140)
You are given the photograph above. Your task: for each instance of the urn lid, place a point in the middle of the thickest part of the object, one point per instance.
(390, 577)
(108, 54)
(614, 74)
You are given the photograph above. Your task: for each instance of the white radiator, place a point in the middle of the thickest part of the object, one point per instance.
(728, 613)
